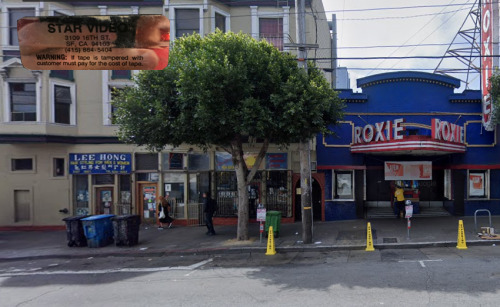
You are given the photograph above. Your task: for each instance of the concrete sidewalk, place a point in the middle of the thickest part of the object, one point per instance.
(337, 235)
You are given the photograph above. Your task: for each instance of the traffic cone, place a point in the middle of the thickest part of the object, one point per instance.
(270, 243)
(369, 239)
(461, 244)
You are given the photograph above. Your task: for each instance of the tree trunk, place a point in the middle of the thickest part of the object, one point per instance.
(305, 187)
(241, 175)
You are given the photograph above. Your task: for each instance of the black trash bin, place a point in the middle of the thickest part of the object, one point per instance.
(126, 229)
(74, 230)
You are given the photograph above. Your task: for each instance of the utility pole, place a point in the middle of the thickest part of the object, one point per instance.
(304, 146)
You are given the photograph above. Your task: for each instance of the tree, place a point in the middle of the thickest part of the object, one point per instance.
(221, 90)
(495, 97)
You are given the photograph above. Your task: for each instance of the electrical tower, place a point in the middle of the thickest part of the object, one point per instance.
(462, 59)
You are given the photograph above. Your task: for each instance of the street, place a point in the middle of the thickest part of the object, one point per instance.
(392, 277)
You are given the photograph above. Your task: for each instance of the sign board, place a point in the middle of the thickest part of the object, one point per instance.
(261, 215)
(409, 211)
(487, 38)
(100, 163)
(408, 170)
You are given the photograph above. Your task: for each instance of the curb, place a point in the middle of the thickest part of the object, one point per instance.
(250, 249)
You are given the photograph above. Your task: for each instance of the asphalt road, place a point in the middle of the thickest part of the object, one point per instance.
(399, 277)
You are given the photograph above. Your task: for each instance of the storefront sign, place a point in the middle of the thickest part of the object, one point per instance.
(380, 132)
(276, 161)
(487, 24)
(100, 163)
(408, 170)
(224, 161)
(445, 131)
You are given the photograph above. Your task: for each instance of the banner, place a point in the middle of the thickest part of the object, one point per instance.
(408, 170)
(100, 163)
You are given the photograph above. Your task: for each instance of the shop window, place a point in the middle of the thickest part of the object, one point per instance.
(448, 194)
(197, 162)
(103, 179)
(150, 177)
(174, 188)
(24, 164)
(227, 193)
(278, 196)
(198, 184)
(81, 188)
(343, 187)
(173, 161)
(124, 206)
(58, 167)
(187, 22)
(146, 161)
(478, 186)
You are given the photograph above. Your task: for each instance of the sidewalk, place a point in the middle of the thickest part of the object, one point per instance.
(337, 235)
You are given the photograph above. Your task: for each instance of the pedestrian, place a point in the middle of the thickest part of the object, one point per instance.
(209, 208)
(163, 208)
(399, 201)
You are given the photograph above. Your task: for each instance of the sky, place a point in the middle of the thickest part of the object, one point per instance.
(396, 28)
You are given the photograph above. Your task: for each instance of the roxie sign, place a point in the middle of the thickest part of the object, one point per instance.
(393, 131)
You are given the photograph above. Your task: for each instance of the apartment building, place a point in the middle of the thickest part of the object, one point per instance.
(59, 154)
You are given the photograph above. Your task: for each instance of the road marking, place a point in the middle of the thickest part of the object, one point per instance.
(422, 264)
(120, 270)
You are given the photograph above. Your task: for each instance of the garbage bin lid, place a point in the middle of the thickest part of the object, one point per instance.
(74, 218)
(98, 217)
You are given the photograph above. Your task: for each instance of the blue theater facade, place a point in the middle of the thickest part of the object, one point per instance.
(409, 128)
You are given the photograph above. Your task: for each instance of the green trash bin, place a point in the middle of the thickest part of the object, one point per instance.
(273, 218)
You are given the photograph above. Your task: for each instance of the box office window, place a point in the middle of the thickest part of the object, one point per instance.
(342, 183)
(478, 184)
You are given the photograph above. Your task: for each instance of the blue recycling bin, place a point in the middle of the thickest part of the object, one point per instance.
(98, 230)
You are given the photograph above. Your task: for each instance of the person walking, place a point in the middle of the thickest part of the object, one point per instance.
(209, 207)
(400, 201)
(163, 212)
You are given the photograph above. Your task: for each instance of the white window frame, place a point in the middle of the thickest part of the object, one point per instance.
(63, 10)
(486, 185)
(223, 13)
(4, 22)
(6, 98)
(106, 94)
(171, 17)
(72, 115)
(256, 14)
(334, 185)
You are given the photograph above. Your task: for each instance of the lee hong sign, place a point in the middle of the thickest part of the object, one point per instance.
(100, 163)
(394, 131)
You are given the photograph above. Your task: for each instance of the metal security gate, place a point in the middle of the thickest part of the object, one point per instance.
(195, 214)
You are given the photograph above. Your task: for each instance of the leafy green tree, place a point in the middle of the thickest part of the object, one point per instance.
(495, 97)
(221, 90)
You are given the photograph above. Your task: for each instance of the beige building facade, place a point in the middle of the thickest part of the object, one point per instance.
(59, 154)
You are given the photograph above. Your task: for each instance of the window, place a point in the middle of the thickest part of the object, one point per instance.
(58, 167)
(146, 162)
(62, 74)
(198, 162)
(342, 183)
(173, 161)
(271, 29)
(81, 188)
(25, 164)
(14, 16)
(62, 104)
(478, 186)
(23, 101)
(115, 91)
(103, 179)
(121, 74)
(220, 22)
(187, 21)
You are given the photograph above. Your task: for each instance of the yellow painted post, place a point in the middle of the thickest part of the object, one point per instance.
(270, 243)
(461, 244)
(369, 239)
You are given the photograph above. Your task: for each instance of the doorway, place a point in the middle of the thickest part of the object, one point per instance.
(147, 201)
(104, 200)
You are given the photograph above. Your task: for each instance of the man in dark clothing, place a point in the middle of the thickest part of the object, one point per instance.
(208, 210)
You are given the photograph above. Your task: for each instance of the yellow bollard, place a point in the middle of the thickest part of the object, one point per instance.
(461, 244)
(270, 243)
(369, 239)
